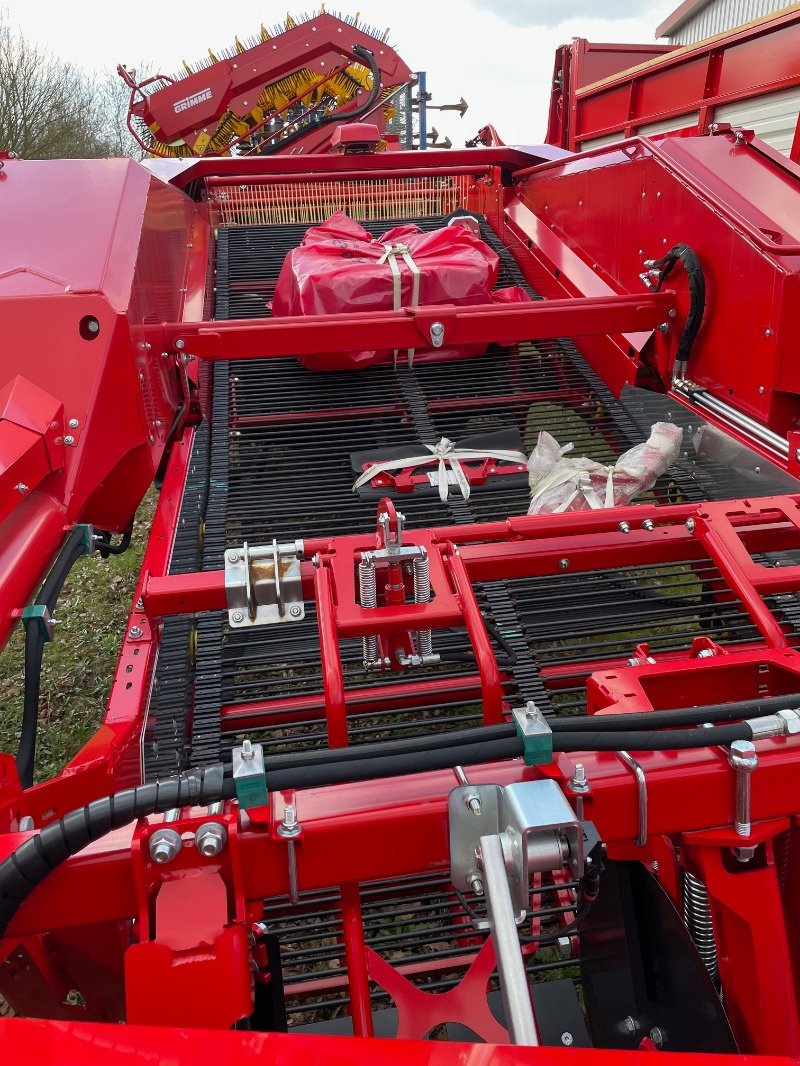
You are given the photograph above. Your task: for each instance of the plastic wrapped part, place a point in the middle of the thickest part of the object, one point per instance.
(340, 267)
(560, 482)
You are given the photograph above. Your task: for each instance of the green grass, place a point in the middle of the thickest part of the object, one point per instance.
(79, 663)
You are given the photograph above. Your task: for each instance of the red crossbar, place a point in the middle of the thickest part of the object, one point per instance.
(263, 338)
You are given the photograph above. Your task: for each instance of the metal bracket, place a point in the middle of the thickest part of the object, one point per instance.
(537, 827)
(536, 734)
(249, 775)
(263, 584)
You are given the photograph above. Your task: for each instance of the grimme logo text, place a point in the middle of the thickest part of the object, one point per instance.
(191, 101)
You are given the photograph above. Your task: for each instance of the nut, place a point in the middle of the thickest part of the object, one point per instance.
(791, 720)
(164, 845)
(210, 838)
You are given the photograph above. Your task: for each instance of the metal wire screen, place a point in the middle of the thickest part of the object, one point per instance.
(362, 199)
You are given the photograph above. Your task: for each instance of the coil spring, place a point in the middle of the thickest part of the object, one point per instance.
(368, 595)
(422, 594)
(697, 916)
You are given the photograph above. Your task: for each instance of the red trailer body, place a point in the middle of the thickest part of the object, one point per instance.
(603, 93)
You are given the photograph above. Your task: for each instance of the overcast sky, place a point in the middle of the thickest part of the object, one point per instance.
(497, 54)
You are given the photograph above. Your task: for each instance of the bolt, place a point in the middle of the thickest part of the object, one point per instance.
(756, 469)
(623, 527)
(566, 1039)
(579, 781)
(473, 801)
(164, 845)
(706, 653)
(629, 1025)
(672, 312)
(180, 345)
(295, 610)
(761, 390)
(690, 524)
(657, 1036)
(210, 838)
(22, 488)
(565, 946)
(134, 632)
(563, 564)
(648, 525)
(663, 327)
(73, 423)
(140, 604)
(248, 752)
(237, 616)
(767, 332)
(233, 557)
(476, 884)
(69, 439)
(744, 760)
(289, 827)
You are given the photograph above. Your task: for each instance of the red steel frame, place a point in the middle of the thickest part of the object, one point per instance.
(689, 800)
(182, 910)
(743, 64)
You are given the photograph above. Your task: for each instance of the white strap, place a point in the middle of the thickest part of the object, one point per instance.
(445, 454)
(390, 255)
(562, 474)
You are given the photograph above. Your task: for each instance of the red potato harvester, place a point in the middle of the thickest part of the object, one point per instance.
(385, 755)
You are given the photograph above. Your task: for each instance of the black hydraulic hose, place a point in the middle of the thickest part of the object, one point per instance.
(652, 739)
(73, 549)
(712, 712)
(106, 548)
(337, 116)
(333, 772)
(587, 732)
(697, 293)
(403, 746)
(31, 862)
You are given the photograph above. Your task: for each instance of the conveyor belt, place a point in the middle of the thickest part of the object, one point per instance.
(278, 465)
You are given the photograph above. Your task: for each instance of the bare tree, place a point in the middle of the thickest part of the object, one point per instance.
(112, 96)
(51, 109)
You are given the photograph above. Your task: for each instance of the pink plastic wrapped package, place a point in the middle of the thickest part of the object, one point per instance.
(340, 268)
(560, 482)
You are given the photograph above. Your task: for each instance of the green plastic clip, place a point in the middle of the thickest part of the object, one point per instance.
(536, 735)
(249, 775)
(40, 613)
(87, 541)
